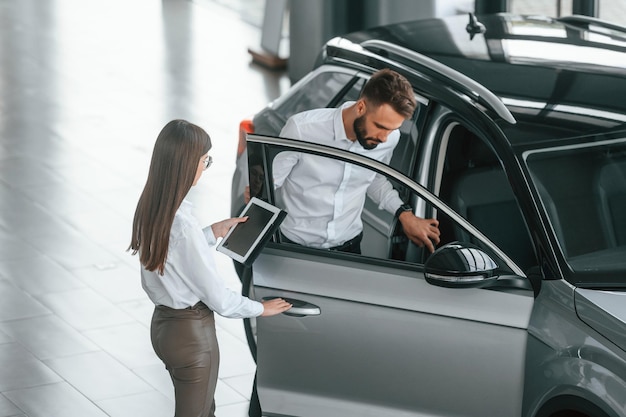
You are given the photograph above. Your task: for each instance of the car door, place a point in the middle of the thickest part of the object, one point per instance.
(371, 337)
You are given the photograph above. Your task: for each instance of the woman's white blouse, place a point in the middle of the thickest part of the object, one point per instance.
(190, 273)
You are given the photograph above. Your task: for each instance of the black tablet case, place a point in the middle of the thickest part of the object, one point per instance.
(265, 238)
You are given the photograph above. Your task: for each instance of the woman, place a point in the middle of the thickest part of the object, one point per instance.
(178, 270)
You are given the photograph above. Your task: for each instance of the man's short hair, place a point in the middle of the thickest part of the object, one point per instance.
(388, 87)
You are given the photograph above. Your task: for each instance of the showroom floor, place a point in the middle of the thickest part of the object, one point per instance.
(85, 88)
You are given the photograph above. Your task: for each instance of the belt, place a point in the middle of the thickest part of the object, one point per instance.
(355, 242)
(198, 306)
(347, 246)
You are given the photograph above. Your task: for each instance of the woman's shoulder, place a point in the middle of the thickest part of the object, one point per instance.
(181, 226)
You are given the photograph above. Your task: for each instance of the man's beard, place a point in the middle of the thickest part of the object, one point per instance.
(359, 130)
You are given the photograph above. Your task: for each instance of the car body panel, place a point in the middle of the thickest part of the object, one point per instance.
(373, 320)
(567, 357)
(604, 312)
(388, 287)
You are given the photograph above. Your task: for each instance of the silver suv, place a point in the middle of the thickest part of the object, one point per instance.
(518, 148)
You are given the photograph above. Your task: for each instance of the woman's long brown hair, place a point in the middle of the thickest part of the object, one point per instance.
(173, 168)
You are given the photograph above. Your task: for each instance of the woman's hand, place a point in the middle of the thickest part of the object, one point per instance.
(221, 228)
(275, 306)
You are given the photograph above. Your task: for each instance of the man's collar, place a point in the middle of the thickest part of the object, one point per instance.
(340, 129)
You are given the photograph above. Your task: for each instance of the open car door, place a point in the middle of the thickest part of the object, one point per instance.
(371, 336)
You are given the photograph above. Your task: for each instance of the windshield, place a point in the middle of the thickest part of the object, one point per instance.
(583, 192)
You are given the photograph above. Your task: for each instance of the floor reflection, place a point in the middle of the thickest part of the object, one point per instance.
(86, 87)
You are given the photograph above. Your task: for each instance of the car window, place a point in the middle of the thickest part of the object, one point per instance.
(474, 184)
(322, 88)
(332, 89)
(322, 214)
(404, 156)
(583, 188)
(317, 92)
(325, 201)
(403, 160)
(351, 92)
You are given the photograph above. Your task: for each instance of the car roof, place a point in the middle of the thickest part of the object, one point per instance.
(558, 77)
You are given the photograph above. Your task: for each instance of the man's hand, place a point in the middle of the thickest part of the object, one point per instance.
(221, 228)
(246, 194)
(423, 232)
(275, 306)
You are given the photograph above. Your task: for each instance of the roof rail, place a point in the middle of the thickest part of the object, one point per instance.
(581, 20)
(438, 70)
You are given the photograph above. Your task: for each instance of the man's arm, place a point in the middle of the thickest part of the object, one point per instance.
(422, 232)
(285, 161)
(383, 194)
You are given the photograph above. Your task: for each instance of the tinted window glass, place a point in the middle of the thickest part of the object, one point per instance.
(322, 214)
(318, 92)
(474, 184)
(353, 93)
(325, 90)
(329, 204)
(327, 209)
(583, 191)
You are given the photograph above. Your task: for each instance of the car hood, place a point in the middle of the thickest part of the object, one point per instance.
(605, 312)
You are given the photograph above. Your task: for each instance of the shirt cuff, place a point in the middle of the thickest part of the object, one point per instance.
(260, 310)
(393, 203)
(209, 236)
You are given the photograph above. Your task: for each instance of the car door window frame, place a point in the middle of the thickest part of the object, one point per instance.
(383, 169)
(433, 154)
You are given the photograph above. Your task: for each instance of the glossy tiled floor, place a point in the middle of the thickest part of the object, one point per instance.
(85, 87)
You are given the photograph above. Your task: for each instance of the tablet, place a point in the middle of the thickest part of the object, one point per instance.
(244, 241)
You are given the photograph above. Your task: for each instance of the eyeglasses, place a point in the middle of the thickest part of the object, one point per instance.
(208, 161)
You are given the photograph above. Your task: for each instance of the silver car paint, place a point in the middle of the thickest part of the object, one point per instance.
(605, 312)
(568, 357)
(386, 342)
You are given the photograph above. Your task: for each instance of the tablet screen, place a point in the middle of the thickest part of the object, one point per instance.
(244, 237)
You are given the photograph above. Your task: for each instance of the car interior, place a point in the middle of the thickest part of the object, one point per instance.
(595, 187)
(611, 198)
(475, 185)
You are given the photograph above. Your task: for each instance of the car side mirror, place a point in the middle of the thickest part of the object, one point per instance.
(460, 265)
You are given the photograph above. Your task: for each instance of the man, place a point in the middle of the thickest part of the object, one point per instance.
(325, 198)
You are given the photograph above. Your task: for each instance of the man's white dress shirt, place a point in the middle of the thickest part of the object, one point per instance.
(323, 197)
(190, 273)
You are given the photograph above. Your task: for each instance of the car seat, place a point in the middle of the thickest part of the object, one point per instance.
(611, 196)
(485, 198)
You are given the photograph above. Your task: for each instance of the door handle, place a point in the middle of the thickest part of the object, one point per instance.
(300, 308)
